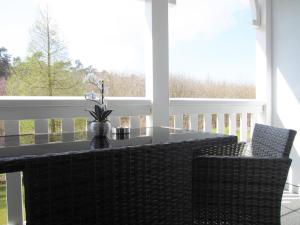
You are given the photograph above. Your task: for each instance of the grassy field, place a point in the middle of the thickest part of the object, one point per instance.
(3, 213)
(180, 86)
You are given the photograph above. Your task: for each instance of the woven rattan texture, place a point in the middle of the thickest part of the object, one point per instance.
(233, 189)
(272, 141)
(136, 185)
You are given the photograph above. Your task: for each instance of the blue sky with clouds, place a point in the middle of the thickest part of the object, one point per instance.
(208, 38)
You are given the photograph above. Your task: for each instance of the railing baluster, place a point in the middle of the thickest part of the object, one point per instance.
(178, 121)
(220, 123)
(253, 121)
(194, 122)
(172, 121)
(115, 121)
(243, 127)
(41, 127)
(207, 122)
(11, 127)
(68, 129)
(68, 125)
(289, 180)
(134, 122)
(232, 124)
(13, 183)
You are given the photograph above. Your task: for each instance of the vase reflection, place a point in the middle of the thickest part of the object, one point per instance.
(100, 142)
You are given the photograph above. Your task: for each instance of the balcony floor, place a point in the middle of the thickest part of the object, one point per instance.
(290, 209)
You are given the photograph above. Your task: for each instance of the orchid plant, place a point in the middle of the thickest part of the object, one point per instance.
(100, 112)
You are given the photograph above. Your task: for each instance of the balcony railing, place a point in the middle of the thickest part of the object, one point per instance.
(217, 115)
(41, 109)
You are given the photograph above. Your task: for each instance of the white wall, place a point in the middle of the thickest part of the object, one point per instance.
(286, 72)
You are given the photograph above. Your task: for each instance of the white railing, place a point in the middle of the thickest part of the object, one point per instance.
(219, 113)
(194, 112)
(40, 109)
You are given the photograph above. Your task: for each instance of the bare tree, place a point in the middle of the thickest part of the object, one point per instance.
(51, 55)
(45, 39)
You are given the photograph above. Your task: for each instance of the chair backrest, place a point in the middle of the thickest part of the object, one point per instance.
(272, 141)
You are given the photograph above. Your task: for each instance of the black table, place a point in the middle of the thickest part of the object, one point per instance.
(143, 178)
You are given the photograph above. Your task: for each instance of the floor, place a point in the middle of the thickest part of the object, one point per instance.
(290, 209)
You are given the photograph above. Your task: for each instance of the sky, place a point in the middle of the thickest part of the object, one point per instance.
(209, 39)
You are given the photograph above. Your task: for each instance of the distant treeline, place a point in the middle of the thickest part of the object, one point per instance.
(180, 87)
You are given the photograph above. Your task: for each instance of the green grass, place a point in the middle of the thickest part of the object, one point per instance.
(27, 127)
(80, 128)
(3, 212)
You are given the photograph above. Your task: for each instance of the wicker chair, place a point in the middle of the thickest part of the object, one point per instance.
(241, 184)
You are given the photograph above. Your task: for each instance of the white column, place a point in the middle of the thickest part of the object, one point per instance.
(13, 183)
(264, 59)
(157, 61)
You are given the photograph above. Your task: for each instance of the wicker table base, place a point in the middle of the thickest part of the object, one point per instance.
(146, 184)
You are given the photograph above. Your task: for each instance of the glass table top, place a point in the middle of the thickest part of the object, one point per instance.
(39, 144)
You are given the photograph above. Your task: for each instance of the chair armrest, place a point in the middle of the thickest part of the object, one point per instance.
(240, 176)
(235, 149)
(238, 189)
(239, 166)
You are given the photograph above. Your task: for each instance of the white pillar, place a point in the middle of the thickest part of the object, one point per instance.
(13, 183)
(264, 59)
(157, 61)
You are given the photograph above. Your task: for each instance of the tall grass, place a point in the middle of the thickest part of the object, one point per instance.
(131, 85)
(181, 87)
